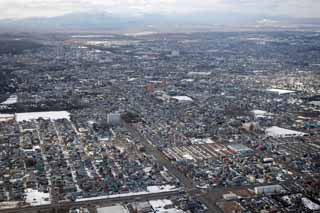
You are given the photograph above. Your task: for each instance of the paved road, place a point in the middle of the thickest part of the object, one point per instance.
(208, 198)
(92, 203)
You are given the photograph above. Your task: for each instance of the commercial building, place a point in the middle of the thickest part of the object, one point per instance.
(271, 189)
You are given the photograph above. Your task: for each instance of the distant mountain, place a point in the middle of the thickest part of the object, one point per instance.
(107, 21)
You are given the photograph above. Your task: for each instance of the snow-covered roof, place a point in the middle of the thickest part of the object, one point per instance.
(162, 206)
(112, 209)
(6, 117)
(11, 100)
(199, 73)
(182, 98)
(187, 156)
(36, 198)
(309, 204)
(201, 140)
(55, 115)
(281, 132)
(280, 91)
(259, 112)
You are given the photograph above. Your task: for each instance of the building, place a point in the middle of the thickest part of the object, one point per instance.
(112, 209)
(7, 117)
(278, 132)
(241, 149)
(271, 189)
(143, 207)
(182, 99)
(113, 119)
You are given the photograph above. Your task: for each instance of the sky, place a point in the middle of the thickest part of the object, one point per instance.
(17, 9)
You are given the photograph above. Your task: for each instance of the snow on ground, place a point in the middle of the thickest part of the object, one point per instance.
(310, 205)
(150, 190)
(36, 198)
(278, 132)
(280, 91)
(54, 115)
(201, 141)
(11, 100)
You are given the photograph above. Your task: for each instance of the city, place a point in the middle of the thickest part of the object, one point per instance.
(169, 122)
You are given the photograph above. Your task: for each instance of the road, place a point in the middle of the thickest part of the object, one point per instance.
(208, 198)
(92, 203)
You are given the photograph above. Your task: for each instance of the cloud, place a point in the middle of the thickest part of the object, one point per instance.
(31, 8)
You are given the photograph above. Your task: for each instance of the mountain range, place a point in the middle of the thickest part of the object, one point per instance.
(107, 21)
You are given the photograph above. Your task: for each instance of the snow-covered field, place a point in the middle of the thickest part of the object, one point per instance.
(54, 115)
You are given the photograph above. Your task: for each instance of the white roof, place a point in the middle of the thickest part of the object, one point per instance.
(187, 156)
(156, 189)
(259, 112)
(45, 115)
(35, 198)
(281, 132)
(201, 140)
(6, 115)
(159, 206)
(309, 204)
(199, 73)
(11, 100)
(112, 209)
(182, 98)
(280, 91)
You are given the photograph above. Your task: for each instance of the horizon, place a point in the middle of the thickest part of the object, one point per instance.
(21, 9)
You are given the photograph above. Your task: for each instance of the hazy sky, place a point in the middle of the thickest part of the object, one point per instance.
(31, 8)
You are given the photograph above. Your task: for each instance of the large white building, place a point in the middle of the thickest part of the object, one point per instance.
(271, 189)
(278, 132)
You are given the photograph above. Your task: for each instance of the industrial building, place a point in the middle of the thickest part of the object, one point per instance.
(241, 149)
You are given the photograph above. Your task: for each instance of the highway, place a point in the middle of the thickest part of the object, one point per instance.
(207, 198)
